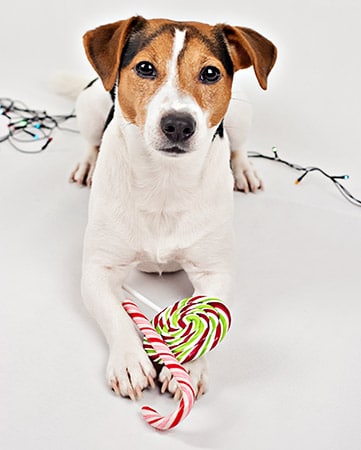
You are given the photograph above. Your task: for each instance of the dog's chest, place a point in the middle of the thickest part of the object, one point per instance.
(161, 241)
(171, 214)
(164, 226)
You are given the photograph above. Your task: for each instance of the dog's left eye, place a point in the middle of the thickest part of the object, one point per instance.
(210, 75)
(146, 69)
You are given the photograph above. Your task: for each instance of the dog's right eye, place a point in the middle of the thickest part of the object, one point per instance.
(145, 69)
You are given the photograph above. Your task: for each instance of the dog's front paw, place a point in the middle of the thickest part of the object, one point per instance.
(246, 178)
(129, 372)
(82, 175)
(198, 371)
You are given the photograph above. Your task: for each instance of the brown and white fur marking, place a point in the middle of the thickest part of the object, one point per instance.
(162, 188)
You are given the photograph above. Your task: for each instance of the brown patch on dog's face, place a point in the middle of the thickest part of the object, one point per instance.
(212, 97)
(136, 91)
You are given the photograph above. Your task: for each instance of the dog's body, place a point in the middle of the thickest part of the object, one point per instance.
(161, 196)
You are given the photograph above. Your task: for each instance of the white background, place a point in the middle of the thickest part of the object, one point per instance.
(288, 375)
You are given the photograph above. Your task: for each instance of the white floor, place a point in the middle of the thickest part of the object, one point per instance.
(288, 374)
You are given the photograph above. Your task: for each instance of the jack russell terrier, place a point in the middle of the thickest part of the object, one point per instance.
(162, 189)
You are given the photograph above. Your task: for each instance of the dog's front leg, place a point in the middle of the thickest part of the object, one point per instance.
(129, 369)
(238, 123)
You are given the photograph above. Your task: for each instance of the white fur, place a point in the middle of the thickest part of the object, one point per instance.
(97, 103)
(150, 210)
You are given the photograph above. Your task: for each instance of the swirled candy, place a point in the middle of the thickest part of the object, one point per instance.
(191, 327)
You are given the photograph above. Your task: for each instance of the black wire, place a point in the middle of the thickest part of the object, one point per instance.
(30, 130)
(306, 170)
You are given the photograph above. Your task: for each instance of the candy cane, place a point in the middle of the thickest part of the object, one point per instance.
(178, 371)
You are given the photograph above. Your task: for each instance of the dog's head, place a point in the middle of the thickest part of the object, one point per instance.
(174, 79)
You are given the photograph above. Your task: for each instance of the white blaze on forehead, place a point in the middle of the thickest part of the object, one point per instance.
(170, 97)
(178, 44)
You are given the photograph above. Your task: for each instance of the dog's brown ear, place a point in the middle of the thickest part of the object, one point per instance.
(104, 45)
(247, 48)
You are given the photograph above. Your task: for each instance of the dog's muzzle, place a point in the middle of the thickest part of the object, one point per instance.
(178, 128)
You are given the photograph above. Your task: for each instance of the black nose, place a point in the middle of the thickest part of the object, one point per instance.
(178, 127)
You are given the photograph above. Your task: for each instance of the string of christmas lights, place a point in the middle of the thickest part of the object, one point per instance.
(29, 130)
(309, 169)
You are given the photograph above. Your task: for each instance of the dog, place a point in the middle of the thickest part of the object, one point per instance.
(161, 195)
